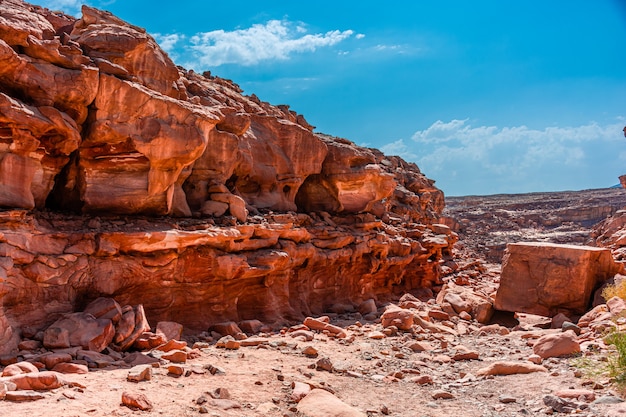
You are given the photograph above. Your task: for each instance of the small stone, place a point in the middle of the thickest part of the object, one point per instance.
(228, 342)
(175, 370)
(140, 373)
(536, 359)
(70, 368)
(136, 401)
(299, 391)
(19, 368)
(176, 356)
(220, 394)
(510, 368)
(324, 364)
(555, 345)
(567, 325)
(576, 394)
(29, 345)
(420, 346)
(465, 316)
(422, 379)
(376, 335)
(310, 352)
(215, 370)
(172, 344)
(608, 399)
(23, 395)
(559, 405)
(442, 395)
(506, 399)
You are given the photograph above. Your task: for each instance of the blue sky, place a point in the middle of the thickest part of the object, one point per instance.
(485, 96)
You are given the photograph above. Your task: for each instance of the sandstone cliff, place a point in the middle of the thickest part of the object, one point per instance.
(265, 217)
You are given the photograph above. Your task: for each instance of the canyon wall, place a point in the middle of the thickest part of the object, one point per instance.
(183, 194)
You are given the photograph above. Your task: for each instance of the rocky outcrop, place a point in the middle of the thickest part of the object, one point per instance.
(546, 279)
(611, 233)
(276, 221)
(488, 223)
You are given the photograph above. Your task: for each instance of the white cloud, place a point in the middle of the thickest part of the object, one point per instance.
(274, 40)
(168, 42)
(464, 159)
(71, 7)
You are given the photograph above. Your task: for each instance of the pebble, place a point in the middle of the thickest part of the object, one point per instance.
(608, 399)
(506, 399)
(442, 395)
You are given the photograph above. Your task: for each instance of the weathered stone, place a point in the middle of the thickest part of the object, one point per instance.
(251, 327)
(557, 344)
(510, 368)
(175, 370)
(299, 391)
(545, 278)
(170, 329)
(105, 308)
(316, 324)
(19, 368)
(442, 395)
(457, 302)
(139, 373)
(85, 331)
(320, 403)
(70, 368)
(136, 401)
(40, 381)
(24, 395)
(176, 356)
(50, 360)
(394, 316)
(577, 394)
(171, 345)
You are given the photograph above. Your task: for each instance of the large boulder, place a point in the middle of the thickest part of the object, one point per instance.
(546, 278)
(81, 330)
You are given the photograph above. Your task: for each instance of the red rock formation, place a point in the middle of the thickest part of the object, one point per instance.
(545, 278)
(278, 221)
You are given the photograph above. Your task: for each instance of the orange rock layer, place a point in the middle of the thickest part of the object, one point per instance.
(282, 221)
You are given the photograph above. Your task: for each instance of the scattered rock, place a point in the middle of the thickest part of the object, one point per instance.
(398, 317)
(560, 405)
(299, 391)
(510, 368)
(557, 344)
(23, 395)
(319, 325)
(321, 403)
(19, 368)
(442, 395)
(39, 381)
(140, 373)
(136, 401)
(70, 368)
(506, 399)
(576, 394)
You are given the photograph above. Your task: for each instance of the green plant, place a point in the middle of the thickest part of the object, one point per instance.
(617, 361)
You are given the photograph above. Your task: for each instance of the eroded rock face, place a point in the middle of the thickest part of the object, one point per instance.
(546, 278)
(279, 222)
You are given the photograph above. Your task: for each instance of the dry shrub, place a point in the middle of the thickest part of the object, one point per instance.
(613, 290)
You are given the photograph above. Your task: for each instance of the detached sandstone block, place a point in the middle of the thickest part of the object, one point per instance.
(545, 278)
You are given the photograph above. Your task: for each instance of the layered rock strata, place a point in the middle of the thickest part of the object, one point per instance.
(276, 221)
